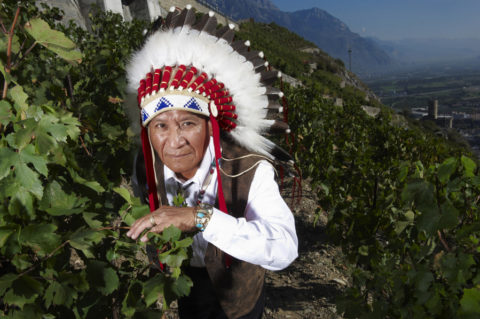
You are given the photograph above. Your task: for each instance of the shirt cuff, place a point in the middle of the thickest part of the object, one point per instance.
(221, 225)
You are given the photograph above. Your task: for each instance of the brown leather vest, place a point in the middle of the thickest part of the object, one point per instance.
(238, 287)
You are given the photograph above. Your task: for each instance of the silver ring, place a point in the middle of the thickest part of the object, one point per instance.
(152, 221)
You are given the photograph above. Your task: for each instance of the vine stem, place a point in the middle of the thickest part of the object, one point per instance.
(25, 54)
(444, 243)
(47, 257)
(9, 52)
(112, 228)
(85, 147)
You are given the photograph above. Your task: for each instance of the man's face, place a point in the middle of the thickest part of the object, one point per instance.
(180, 139)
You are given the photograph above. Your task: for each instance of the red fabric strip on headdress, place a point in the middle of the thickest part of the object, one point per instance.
(178, 76)
(215, 88)
(148, 156)
(207, 85)
(198, 81)
(149, 84)
(228, 114)
(216, 95)
(223, 100)
(188, 77)
(156, 80)
(218, 154)
(166, 77)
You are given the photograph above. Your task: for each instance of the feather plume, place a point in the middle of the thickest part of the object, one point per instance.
(171, 17)
(240, 46)
(251, 55)
(272, 105)
(281, 155)
(186, 18)
(226, 33)
(269, 77)
(259, 64)
(274, 92)
(279, 127)
(208, 23)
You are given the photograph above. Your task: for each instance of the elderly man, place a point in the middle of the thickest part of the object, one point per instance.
(204, 87)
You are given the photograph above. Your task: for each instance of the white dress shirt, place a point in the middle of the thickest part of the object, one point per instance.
(265, 236)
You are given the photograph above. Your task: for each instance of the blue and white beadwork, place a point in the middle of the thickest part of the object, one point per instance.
(172, 101)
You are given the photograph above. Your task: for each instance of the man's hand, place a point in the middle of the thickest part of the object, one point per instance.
(180, 217)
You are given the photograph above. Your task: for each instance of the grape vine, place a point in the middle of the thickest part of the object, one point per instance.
(66, 152)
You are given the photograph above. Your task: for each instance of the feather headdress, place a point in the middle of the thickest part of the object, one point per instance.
(192, 65)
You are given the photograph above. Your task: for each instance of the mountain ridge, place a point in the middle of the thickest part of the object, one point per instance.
(328, 32)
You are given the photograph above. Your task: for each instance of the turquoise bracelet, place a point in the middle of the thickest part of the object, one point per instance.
(202, 215)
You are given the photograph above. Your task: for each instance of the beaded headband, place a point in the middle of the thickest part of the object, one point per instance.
(186, 90)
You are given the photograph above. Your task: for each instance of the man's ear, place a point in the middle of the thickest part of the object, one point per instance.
(210, 129)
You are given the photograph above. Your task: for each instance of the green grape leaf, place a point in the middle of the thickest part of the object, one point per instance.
(40, 237)
(403, 171)
(423, 280)
(173, 260)
(53, 40)
(9, 159)
(181, 286)
(29, 179)
(6, 76)
(84, 239)
(57, 202)
(29, 311)
(153, 289)
(105, 278)
(446, 169)
(135, 213)
(4, 43)
(450, 214)
(5, 232)
(90, 184)
(171, 233)
(468, 165)
(24, 290)
(20, 98)
(186, 242)
(22, 261)
(470, 302)
(27, 155)
(6, 115)
(44, 142)
(91, 222)
(124, 193)
(420, 192)
(20, 194)
(6, 282)
(55, 294)
(132, 299)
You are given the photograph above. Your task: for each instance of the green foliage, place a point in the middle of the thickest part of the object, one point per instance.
(286, 50)
(303, 60)
(66, 150)
(402, 204)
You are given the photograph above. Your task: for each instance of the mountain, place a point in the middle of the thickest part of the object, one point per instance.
(327, 32)
(431, 50)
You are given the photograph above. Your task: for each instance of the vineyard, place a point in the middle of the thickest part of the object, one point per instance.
(401, 202)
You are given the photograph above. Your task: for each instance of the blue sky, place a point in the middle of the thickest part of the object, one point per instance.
(399, 19)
